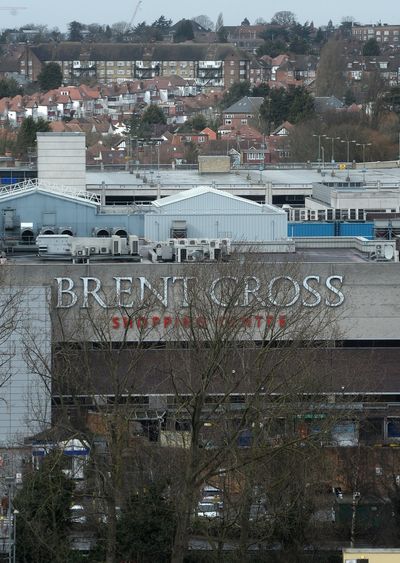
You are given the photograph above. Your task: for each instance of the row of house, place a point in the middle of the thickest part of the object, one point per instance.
(175, 95)
(210, 65)
(204, 66)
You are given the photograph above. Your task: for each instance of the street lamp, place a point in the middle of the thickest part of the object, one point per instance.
(363, 145)
(348, 148)
(319, 146)
(333, 139)
(323, 157)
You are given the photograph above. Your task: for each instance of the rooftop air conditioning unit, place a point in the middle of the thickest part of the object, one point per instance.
(116, 245)
(133, 242)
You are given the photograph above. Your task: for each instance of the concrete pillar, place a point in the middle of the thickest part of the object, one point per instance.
(62, 159)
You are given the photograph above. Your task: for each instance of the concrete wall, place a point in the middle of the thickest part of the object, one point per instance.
(25, 347)
(371, 555)
(214, 164)
(370, 311)
(62, 159)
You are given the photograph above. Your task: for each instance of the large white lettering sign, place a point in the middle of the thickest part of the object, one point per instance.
(280, 291)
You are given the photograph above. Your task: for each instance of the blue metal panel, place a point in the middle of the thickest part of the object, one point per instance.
(357, 230)
(311, 229)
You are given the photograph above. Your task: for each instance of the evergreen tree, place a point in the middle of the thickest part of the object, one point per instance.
(50, 77)
(26, 138)
(9, 88)
(371, 48)
(43, 521)
(154, 115)
(75, 30)
(146, 528)
(184, 31)
(237, 91)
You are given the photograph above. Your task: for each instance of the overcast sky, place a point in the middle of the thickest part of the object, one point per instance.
(59, 14)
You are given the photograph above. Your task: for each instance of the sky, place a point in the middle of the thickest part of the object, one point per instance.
(58, 15)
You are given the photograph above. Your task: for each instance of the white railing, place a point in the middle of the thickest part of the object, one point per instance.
(35, 184)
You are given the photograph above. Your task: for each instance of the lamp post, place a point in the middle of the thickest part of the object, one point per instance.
(323, 157)
(319, 146)
(333, 139)
(348, 148)
(363, 145)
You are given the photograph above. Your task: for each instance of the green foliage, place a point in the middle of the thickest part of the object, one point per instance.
(44, 511)
(184, 31)
(9, 88)
(146, 528)
(162, 23)
(371, 48)
(272, 48)
(75, 30)
(294, 104)
(349, 97)
(235, 93)
(262, 90)
(154, 115)
(50, 77)
(197, 123)
(26, 138)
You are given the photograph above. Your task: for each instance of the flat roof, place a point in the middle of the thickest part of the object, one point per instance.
(243, 177)
(306, 256)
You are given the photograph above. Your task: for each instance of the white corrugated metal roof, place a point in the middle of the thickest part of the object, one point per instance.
(204, 190)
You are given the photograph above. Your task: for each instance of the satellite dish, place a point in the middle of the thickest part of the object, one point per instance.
(388, 252)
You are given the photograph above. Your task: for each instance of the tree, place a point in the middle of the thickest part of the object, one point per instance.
(330, 80)
(222, 35)
(146, 526)
(26, 138)
(162, 23)
(43, 520)
(191, 153)
(75, 31)
(237, 91)
(294, 104)
(184, 31)
(153, 114)
(204, 21)
(284, 18)
(9, 88)
(197, 122)
(220, 22)
(245, 22)
(371, 48)
(50, 77)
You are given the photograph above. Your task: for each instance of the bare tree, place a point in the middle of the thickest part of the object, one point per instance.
(213, 337)
(204, 21)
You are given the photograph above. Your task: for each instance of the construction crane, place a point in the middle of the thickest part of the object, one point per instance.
(134, 14)
(13, 9)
